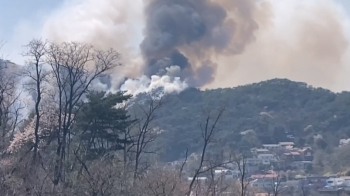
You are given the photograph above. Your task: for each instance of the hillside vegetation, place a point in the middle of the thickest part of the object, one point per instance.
(266, 112)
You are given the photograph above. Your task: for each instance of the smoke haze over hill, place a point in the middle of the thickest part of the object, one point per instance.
(211, 44)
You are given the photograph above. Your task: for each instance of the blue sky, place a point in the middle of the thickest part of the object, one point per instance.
(21, 20)
(14, 12)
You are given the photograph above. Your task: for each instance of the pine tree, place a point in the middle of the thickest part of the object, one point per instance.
(101, 123)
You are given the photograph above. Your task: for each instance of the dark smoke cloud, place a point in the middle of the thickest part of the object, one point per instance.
(206, 27)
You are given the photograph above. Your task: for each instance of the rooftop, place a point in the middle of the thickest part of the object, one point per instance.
(286, 143)
(265, 155)
(259, 176)
(270, 145)
(295, 153)
(261, 150)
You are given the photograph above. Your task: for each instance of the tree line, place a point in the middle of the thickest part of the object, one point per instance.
(62, 135)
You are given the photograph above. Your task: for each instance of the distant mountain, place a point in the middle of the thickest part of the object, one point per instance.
(266, 112)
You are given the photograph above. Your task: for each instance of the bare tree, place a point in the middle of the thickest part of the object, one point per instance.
(74, 67)
(304, 190)
(10, 103)
(218, 185)
(208, 130)
(36, 51)
(276, 187)
(240, 162)
(161, 182)
(145, 132)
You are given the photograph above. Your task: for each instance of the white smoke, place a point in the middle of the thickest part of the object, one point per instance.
(110, 24)
(169, 83)
(147, 85)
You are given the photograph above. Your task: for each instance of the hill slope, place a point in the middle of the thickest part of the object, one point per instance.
(266, 112)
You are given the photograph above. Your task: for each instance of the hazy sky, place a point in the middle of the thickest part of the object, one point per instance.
(22, 20)
(13, 13)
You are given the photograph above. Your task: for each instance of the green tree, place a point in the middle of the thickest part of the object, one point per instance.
(101, 124)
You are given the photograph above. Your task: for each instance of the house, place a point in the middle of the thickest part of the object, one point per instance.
(257, 151)
(271, 147)
(340, 181)
(301, 165)
(335, 182)
(286, 144)
(314, 182)
(226, 174)
(252, 165)
(267, 158)
(289, 157)
(306, 154)
(198, 179)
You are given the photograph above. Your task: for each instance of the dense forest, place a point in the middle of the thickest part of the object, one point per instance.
(265, 112)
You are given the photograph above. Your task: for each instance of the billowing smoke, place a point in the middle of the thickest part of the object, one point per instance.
(188, 33)
(211, 43)
(105, 24)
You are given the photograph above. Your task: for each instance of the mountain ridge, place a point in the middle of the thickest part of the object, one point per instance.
(276, 110)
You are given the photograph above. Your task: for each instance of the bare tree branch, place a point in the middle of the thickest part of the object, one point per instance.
(74, 67)
(36, 51)
(208, 130)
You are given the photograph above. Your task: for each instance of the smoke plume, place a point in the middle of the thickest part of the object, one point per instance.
(211, 43)
(188, 33)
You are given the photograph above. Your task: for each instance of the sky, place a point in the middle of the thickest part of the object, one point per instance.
(22, 20)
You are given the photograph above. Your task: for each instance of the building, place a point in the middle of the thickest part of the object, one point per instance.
(253, 161)
(286, 144)
(266, 181)
(340, 181)
(306, 154)
(226, 174)
(257, 151)
(289, 157)
(301, 165)
(271, 147)
(267, 159)
(252, 165)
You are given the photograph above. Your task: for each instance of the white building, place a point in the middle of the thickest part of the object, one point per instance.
(271, 147)
(341, 181)
(286, 145)
(266, 159)
(335, 182)
(226, 174)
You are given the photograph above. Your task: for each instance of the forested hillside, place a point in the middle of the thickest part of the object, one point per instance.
(266, 112)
